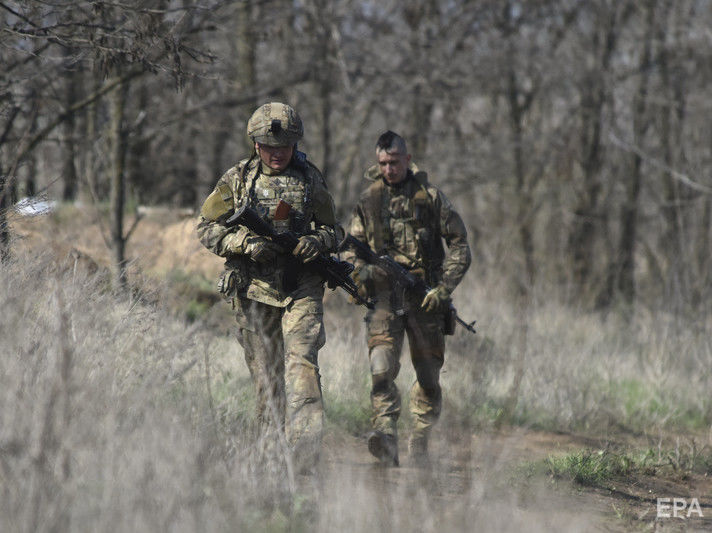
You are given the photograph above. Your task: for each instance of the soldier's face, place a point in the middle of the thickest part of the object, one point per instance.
(393, 166)
(275, 157)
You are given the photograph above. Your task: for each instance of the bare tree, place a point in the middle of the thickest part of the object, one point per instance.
(588, 149)
(69, 168)
(621, 268)
(118, 184)
(677, 198)
(129, 41)
(594, 101)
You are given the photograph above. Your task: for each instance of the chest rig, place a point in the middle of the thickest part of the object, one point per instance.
(402, 222)
(264, 192)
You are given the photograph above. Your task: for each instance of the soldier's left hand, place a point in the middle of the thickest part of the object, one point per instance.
(436, 299)
(308, 248)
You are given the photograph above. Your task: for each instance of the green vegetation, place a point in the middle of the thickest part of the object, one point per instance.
(195, 309)
(642, 405)
(180, 278)
(592, 468)
(194, 295)
(354, 417)
(597, 468)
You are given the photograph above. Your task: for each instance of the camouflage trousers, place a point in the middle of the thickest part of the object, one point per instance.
(281, 347)
(386, 330)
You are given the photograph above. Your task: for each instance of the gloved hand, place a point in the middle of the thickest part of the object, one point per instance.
(436, 299)
(233, 243)
(308, 248)
(261, 250)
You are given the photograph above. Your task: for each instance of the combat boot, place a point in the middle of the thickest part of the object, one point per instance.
(384, 447)
(418, 450)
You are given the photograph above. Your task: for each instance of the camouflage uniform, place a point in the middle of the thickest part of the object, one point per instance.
(408, 221)
(278, 304)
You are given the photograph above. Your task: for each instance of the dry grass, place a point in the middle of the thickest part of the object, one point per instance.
(582, 371)
(108, 425)
(118, 416)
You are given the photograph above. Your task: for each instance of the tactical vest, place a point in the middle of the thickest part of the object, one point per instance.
(405, 225)
(264, 192)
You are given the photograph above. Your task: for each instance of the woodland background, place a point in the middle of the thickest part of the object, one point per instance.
(574, 136)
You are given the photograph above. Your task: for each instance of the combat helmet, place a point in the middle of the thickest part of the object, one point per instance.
(275, 124)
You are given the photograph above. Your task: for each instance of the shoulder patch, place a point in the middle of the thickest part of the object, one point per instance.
(218, 204)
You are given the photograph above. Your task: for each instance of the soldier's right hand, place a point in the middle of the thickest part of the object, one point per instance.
(261, 250)
(308, 248)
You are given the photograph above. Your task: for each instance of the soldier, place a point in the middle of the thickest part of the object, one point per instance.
(402, 215)
(278, 303)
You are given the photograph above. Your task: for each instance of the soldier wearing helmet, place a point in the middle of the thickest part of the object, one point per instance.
(278, 304)
(402, 215)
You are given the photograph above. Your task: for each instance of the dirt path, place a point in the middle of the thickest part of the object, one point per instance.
(479, 482)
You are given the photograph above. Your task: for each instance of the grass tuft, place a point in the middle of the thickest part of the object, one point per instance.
(592, 468)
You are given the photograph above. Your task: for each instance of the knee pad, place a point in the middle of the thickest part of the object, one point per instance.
(380, 357)
(383, 368)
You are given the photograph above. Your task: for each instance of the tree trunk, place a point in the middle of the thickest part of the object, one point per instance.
(702, 263)
(519, 102)
(419, 15)
(69, 169)
(90, 190)
(4, 205)
(324, 76)
(622, 269)
(244, 72)
(241, 80)
(680, 287)
(325, 89)
(118, 186)
(30, 181)
(594, 95)
(5, 185)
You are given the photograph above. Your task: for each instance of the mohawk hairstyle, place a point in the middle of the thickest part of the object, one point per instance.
(391, 142)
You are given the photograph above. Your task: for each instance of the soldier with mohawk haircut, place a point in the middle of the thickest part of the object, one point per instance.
(405, 217)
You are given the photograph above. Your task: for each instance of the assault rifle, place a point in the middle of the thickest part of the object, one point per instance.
(400, 275)
(335, 272)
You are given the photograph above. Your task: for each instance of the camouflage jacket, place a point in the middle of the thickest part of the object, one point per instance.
(303, 187)
(409, 222)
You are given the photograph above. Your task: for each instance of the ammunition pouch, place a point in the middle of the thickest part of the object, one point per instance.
(226, 284)
(449, 320)
(234, 278)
